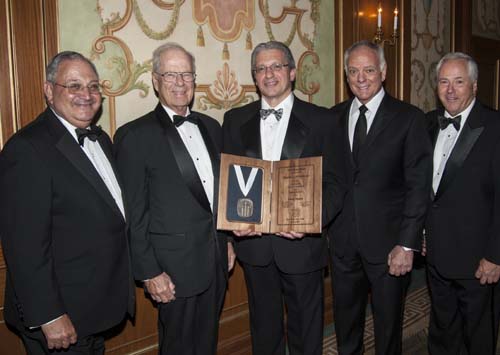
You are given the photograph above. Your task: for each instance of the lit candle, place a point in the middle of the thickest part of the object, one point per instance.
(395, 19)
(379, 16)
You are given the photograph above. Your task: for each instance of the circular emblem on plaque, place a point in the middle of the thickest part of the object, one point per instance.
(244, 207)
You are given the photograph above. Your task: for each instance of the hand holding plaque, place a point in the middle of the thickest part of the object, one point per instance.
(270, 197)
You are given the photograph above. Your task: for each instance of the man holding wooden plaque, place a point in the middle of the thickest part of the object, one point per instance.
(287, 265)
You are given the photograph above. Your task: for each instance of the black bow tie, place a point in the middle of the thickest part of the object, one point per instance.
(264, 113)
(91, 133)
(445, 121)
(179, 120)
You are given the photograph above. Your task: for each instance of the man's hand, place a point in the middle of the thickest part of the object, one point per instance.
(60, 334)
(400, 261)
(246, 233)
(291, 235)
(231, 256)
(487, 272)
(161, 288)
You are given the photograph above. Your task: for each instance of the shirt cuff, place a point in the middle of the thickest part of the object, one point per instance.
(52, 321)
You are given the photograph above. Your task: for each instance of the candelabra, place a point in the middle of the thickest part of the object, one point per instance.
(379, 33)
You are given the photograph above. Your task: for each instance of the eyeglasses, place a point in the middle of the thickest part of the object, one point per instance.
(171, 76)
(77, 88)
(276, 67)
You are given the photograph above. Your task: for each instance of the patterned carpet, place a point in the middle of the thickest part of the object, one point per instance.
(416, 319)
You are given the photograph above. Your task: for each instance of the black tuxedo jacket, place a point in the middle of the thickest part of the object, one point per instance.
(387, 192)
(304, 138)
(172, 228)
(63, 236)
(463, 222)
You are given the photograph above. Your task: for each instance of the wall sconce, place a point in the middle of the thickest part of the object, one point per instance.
(379, 34)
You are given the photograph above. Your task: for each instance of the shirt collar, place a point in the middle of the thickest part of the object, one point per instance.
(464, 114)
(71, 129)
(371, 105)
(171, 112)
(286, 104)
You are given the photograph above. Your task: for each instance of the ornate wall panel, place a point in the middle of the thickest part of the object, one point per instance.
(430, 40)
(120, 35)
(486, 19)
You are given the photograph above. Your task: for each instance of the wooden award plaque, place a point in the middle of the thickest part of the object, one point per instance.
(270, 197)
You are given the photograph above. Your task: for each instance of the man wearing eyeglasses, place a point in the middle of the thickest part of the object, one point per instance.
(288, 266)
(169, 163)
(62, 220)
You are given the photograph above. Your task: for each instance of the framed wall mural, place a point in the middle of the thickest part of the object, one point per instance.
(486, 19)
(120, 35)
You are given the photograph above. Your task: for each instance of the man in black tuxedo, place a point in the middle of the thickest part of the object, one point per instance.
(169, 162)
(387, 157)
(287, 267)
(463, 224)
(62, 220)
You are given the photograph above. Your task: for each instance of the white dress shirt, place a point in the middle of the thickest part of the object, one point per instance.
(372, 107)
(101, 163)
(446, 140)
(194, 143)
(272, 131)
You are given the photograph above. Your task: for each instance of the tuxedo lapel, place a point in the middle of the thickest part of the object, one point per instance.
(468, 137)
(434, 131)
(214, 157)
(68, 147)
(182, 158)
(250, 136)
(295, 137)
(344, 126)
(384, 115)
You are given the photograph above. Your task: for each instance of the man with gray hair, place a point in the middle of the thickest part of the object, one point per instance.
(169, 164)
(462, 229)
(387, 156)
(284, 269)
(62, 220)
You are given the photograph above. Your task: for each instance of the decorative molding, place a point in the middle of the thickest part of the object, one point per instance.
(226, 20)
(225, 92)
(172, 23)
(430, 40)
(486, 19)
(302, 82)
(292, 10)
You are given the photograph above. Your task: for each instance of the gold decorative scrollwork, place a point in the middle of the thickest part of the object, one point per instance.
(116, 22)
(225, 92)
(304, 72)
(297, 24)
(148, 31)
(128, 70)
(166, 5)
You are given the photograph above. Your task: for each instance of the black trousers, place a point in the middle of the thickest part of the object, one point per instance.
(36, 344)
(189, 326)
(302, 294)
(464, 315)
(352, 279)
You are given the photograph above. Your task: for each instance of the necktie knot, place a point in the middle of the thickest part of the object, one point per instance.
(446, 121)
(362, 109)
(91, 133)
(179, 120)
(265, 112)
